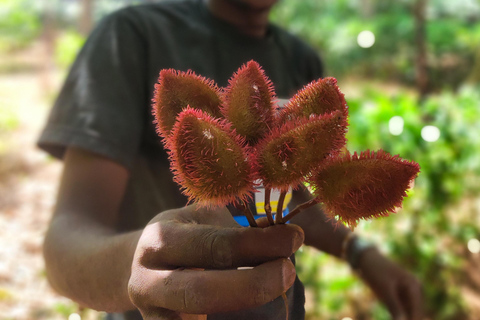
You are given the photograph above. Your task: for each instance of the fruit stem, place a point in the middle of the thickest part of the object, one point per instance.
(279, 215)
(300, 208)
(268, 207)
(247, 212)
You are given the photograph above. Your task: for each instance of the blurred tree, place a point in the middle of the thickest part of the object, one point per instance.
(48, 35)
(86, 20)
(475, 74)
(422, 81)
(450, 35)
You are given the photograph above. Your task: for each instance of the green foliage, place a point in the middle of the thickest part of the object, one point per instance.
(9, 120)
(65, 309)
(332, 27)
(450, 174)
(329, 286)
(67, 46)
(429, 236)
(19, 24)
(451, 157)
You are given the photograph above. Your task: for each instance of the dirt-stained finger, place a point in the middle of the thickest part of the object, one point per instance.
(172, 244)
(212, 291)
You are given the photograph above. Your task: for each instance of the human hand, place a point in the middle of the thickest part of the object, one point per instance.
(186, 263)
(399, 290)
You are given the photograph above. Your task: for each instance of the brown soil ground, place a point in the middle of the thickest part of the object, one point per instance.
(28, 183)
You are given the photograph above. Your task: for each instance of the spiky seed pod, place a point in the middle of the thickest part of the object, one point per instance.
(364, 186)
(176, 90)
(288, 154)
(248, 102)
(318, 97)
(208, 160)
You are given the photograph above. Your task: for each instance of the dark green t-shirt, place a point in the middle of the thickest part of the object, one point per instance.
(105, 103)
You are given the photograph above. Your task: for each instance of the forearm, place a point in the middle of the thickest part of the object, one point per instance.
(399, 290)
(89, 263)
(320, 232)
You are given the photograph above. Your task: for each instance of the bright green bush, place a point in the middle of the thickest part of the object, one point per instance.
(429, 236)
(67, 47)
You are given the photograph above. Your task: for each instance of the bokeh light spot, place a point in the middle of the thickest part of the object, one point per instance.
(395, 125)
(74, 316)
(430, 133)
(473, 245)
(366, 39)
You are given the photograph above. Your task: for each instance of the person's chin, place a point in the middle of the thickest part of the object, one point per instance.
(256, 5)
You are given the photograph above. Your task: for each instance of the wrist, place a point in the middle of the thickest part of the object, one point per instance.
(354, 248)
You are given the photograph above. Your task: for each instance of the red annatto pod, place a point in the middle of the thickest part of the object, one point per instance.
(248, 102)
(318, 97)
(288, 154)
(208, 160)
(176, 90)
(369, 185)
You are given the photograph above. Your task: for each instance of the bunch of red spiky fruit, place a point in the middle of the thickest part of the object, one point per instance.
(223, 141)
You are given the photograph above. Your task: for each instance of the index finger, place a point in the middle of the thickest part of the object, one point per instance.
(200, 215)
(174, 244)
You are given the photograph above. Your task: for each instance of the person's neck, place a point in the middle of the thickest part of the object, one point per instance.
(250, 21)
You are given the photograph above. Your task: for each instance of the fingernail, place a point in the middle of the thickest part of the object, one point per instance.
(289, 274)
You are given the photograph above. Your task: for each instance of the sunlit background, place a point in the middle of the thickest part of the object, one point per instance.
(410, 71)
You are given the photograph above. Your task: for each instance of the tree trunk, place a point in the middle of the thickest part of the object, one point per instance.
(421, 67)
(367, 8)
(48, 39)
(86, 20)
(474, 76)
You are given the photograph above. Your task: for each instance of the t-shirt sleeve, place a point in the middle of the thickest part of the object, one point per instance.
(102, 105)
